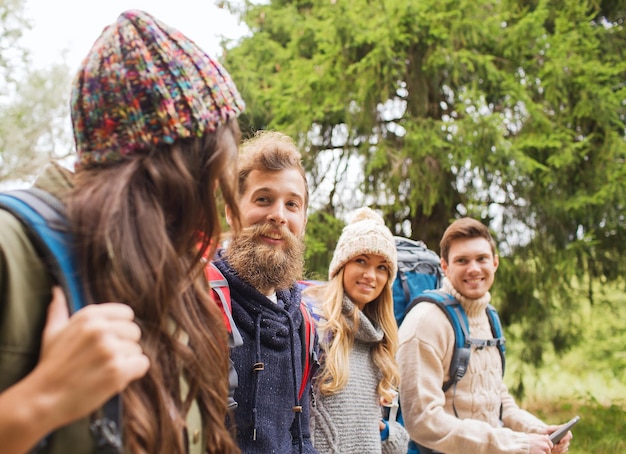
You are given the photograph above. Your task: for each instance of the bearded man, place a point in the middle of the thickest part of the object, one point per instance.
(261, 265)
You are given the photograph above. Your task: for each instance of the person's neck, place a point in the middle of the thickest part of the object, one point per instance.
(471, 306)
(267, 291)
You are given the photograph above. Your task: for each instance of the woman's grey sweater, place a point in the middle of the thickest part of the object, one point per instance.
(348, 421)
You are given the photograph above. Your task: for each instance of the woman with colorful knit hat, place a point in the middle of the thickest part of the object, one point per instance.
(358, 340)
(155, 126)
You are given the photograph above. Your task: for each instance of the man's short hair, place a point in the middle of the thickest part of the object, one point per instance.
(464, 228)
(270, 151)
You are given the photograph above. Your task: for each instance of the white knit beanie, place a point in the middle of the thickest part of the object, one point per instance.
(365, 234)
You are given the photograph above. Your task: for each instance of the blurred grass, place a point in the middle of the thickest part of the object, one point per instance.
(601, 429)
(589, 380)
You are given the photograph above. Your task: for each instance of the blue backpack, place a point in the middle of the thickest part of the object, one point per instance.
(43, 217)
(463, 343)
(419, 269)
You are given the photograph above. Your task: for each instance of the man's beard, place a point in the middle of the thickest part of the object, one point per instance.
(262, 265)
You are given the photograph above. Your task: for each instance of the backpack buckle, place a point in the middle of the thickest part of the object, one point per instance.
(106, 435)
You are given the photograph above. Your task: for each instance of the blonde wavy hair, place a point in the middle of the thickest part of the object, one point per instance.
(337, 337)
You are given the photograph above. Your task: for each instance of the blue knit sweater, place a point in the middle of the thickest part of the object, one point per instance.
(265, 420)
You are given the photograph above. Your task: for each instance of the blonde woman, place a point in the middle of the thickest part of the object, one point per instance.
(358, 340)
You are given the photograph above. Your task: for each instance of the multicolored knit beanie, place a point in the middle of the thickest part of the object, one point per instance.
(365, 234)
(145, 84)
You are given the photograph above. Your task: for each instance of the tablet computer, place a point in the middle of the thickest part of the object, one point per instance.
(559, 433)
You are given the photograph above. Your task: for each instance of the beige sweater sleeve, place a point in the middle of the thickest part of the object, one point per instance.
(424, 355)
(516, 418)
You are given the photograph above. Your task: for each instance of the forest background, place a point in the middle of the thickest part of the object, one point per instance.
(513, 112)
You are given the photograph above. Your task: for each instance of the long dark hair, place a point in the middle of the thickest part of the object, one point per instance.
(142, 227)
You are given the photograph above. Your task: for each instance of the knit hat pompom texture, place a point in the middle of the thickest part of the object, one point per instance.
(145, 84)
(365, 234)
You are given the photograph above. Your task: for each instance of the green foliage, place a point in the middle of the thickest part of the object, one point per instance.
(601, 427)
(511, 112)
(323, 231)
(587, 379)
(34, 126)
(12, 25)
(603, 430)
(33, 103)
(587, 354)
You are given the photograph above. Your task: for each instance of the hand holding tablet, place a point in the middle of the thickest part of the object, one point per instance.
(559, 433)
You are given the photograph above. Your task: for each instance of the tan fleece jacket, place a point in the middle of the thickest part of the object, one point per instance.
(424, 356)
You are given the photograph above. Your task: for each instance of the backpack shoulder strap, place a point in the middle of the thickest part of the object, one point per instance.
(498, 334)
(43, 217)
(308, 335)
(460, 325)
(221, 294)
(308, 338)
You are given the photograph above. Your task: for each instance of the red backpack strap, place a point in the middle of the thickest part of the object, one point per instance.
(221, 295)
(309, 355)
